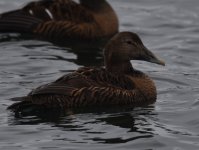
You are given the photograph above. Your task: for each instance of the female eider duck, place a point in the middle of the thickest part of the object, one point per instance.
(60, 19)
(116, 84)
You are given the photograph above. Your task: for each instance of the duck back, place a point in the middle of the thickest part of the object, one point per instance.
(61, 19)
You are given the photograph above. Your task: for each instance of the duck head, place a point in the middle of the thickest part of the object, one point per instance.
(122, 48)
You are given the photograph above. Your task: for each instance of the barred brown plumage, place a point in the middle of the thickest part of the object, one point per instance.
(116, 84)
(63, 19)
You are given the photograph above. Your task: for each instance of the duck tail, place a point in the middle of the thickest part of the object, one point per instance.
(18, 21)
(23, 106)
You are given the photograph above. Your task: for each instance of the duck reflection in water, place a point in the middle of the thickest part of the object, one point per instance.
(87, 53)
(134, 122)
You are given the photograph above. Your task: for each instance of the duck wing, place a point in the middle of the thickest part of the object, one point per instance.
(57, 94)
(84, 87)
(65, 85)
(50, 18)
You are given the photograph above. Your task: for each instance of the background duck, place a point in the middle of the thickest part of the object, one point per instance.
(62, 19)
(116, 84)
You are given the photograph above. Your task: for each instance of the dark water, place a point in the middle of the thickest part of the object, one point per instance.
(170, 28)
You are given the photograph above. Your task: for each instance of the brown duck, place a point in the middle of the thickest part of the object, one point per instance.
(60, 19)
(116, 84)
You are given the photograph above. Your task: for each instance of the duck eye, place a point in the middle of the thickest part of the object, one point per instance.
(129, 42)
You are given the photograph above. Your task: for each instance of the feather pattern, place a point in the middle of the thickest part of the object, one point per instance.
(58, 19)
(89, 87)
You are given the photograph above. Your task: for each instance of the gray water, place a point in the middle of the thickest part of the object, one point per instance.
(169, 28)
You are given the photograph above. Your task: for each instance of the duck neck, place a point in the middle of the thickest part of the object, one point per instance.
(95, 5)
(119, 67)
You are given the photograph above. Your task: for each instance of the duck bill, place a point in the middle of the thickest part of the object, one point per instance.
(157, 61)
(153, 59)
